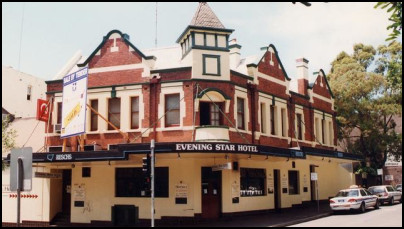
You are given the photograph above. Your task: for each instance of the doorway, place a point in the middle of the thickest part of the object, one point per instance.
(277, 191)
(211, 193)
(66, 191)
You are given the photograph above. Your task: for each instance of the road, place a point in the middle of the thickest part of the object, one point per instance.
(386, 216)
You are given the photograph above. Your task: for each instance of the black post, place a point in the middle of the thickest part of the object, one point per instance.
(20, 178)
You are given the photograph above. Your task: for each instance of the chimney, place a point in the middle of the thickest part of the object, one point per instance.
(302, 75)
(234, 53)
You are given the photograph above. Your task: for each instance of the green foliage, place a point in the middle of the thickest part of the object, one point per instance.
(395, 8)
(366, 100)
(364, 169)
(8, 136)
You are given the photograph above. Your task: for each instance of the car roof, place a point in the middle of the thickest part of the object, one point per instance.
(380, 186)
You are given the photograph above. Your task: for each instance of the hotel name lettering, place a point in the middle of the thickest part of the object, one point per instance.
(216, 147)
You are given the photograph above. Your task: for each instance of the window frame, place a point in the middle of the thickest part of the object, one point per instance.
(93, 114)
(110, 113)
(272, 116)
(132, 127)
(299, 127)
(246, 180)
(241, 113)
(162, 182)
(59, 107)
(206, 56)
(166, 109)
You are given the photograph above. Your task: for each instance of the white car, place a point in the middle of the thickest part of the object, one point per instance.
(386, 193)
(354, 199)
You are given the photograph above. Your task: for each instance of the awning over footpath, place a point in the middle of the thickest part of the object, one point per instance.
(123, 151)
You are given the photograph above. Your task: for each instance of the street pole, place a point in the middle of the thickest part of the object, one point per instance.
(20, 178)
(152, 181)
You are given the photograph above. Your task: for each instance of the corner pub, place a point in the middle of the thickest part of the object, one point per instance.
(233, 135)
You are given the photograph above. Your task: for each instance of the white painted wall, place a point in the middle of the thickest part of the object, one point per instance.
(14, 92)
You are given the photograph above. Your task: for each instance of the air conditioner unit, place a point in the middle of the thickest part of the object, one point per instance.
(57, 128)
(94, 147)
(58, 148)
(112, 147)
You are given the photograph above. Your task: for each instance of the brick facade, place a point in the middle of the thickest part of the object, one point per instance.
(270, 66)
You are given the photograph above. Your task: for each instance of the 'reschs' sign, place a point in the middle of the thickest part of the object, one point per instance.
(42, 110)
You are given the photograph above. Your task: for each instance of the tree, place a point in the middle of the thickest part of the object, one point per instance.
(368, 93)
(8, 136)
(396, 17)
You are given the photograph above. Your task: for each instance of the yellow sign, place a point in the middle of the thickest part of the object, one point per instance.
(72, 114)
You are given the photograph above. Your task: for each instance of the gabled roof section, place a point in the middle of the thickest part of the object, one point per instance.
(205, 17)
(124, 37)
(262, 54)
(320, 74)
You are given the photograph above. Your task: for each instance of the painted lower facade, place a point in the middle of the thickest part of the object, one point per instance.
(258, 179)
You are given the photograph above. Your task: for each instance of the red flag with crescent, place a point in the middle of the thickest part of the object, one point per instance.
(42, 110)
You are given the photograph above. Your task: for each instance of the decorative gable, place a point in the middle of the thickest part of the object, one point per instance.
(320, 86)
(115, 49)
(271, 65)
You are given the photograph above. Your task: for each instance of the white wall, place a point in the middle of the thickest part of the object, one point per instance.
(14, 92)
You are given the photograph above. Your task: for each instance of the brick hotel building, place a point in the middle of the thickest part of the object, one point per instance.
(233, 135)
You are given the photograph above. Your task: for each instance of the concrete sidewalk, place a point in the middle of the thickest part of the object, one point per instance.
(284, 218)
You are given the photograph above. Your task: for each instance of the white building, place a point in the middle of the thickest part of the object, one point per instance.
(19, 94)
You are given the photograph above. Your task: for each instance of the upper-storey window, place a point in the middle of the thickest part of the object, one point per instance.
(273, 119)
(172, 110)
(211, 65)
(114, 112)
(299, 128)
(29, 92)
(283, 122)
(210, 114)
(134, 118)
(263, 119)
(94, 116)
(240, 114)
(330, 135)
(59, 112)
(323, 131)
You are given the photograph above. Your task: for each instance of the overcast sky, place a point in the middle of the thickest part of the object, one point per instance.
(53, 32)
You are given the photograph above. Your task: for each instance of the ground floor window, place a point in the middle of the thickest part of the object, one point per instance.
(293, 182)
(130, 182)
(252, 182)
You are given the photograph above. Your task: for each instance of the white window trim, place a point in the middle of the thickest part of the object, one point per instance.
(167, 89)
(327, 131)
(242, 94)
(299, 110)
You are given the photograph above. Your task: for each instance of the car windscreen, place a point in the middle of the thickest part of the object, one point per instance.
(347, 193)
(376, 189)
(390, 189)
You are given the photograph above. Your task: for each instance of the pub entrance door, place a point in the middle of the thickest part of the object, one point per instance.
(211, 193)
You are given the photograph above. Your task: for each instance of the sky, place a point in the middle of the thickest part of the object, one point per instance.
(39, 38)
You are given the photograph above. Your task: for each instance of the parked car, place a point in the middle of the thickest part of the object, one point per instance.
(386, 193)
(399, 187)
(354, 199)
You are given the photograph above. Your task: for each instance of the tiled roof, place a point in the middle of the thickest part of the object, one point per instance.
(205, 17)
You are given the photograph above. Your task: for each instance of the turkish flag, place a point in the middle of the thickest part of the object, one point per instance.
(42, 110)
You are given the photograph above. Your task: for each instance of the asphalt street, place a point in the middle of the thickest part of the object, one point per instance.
(386, 216)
